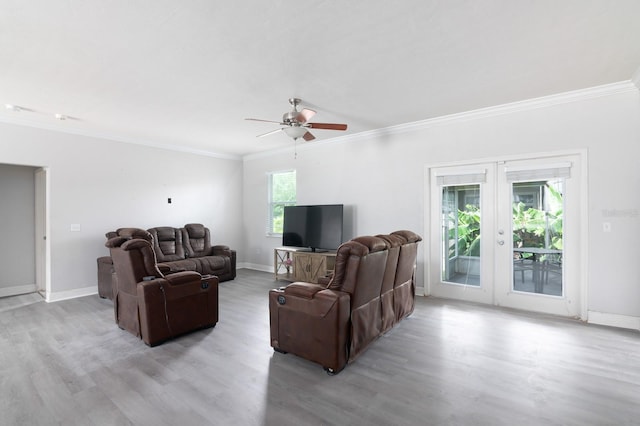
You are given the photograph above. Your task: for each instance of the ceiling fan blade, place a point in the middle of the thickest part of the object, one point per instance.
(327, 126)
(259, 119)
(308, 137)
(269, 133)
(304, 115)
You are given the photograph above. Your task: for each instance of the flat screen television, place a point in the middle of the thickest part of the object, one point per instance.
(314, 227)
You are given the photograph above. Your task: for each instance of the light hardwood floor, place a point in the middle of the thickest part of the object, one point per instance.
(450, 363)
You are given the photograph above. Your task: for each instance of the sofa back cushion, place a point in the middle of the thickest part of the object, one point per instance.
(134, 233)
(394, 242)
(197, 240)
(167, 243)
(404, 286)
(408, 256)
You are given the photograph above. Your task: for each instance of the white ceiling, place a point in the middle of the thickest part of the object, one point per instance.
(186, 73)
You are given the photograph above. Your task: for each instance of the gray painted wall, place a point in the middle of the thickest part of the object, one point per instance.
(96, 186)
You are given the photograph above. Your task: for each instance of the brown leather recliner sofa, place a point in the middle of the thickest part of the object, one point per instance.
(176, 249)
(371, 290)
(153, 306)
(190, 249)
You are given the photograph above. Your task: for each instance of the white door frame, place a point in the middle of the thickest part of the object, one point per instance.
(42, 240)
(581, 270)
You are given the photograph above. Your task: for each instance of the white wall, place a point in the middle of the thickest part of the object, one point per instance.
(382, 176)
(17, 227)
(103, 185)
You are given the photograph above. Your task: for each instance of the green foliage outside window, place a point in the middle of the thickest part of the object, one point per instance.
(282, 193)
(468, 233)
(531, 227)
(539, 228)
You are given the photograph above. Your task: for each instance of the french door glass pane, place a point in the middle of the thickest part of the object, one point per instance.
(537, 236)
(461, 234)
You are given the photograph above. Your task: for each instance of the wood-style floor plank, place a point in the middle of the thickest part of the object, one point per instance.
(450, 363)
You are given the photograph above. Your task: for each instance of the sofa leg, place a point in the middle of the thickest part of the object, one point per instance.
(330, 371)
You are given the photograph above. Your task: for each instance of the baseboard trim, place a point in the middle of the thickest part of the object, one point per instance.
(614, 320)
(256, 267)
(71, 294)
(17, 289)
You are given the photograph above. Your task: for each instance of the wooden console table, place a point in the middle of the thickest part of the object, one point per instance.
(294, 264)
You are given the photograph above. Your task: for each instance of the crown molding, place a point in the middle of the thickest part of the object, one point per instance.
(115, 138)
(510, 108)
(514, 107)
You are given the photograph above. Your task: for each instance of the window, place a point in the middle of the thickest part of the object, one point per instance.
(282, 192)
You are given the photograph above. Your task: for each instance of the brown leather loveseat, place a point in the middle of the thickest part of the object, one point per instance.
(153, 306)
(190, 249)
(372, 289)
(176, 250)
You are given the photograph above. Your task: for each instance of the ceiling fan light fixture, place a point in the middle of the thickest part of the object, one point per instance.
(296, 123)
(295, 132)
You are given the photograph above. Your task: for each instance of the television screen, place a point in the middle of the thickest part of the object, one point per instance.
(315, 227)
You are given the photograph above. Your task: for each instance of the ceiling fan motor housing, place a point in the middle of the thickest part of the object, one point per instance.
(290, 117)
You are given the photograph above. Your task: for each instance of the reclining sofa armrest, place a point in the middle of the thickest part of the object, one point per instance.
(164, 268)
(302, 289)
(221, 250)
(185, 277)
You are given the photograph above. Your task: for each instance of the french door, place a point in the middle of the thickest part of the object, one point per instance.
(508, 233)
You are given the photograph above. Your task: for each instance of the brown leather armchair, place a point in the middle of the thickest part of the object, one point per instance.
(155, 307)
(333, 325)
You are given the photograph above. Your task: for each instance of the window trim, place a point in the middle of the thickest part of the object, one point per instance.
(271, 203)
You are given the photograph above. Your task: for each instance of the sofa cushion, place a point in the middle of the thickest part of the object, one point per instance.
(197, 240)
(167, 243)
(213, 265)
(181, 265)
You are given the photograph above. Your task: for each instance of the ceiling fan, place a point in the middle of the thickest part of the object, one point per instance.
(296, 123)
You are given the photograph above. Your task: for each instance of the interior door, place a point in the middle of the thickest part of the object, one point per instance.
(507, 233)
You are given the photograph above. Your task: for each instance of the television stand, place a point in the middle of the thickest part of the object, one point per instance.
(295, 264)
